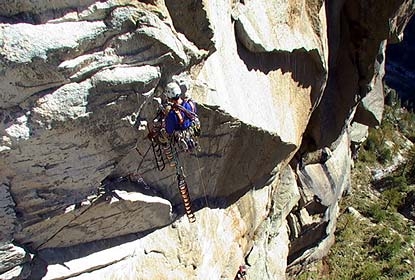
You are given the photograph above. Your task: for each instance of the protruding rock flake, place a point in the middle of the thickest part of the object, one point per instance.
(285, 91)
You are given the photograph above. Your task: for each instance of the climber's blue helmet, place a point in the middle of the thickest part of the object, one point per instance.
(172, 91)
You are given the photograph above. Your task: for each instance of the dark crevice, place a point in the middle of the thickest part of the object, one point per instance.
(400, 66)
(310, 236)
(190, 19)
(33, 12)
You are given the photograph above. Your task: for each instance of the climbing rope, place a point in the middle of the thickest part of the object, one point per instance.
(184, 192)
(201, 179)
(183, 189)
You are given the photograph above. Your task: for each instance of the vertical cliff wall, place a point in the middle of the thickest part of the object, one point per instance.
(400, 67)
(279, 86)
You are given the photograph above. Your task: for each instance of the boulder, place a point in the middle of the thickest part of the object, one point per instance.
(30, 60)
(126, 212)
(11, 256)
(17, 272)
(370, 110)
(322, 185)
(358, 132)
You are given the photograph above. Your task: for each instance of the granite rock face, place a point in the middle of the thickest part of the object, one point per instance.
(77, 81)
(358, 33)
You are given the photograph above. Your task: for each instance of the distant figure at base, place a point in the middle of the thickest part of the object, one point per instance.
(241, 274)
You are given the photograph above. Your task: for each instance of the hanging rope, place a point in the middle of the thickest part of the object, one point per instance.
(184, 192)
(201, 179)
(183, 189)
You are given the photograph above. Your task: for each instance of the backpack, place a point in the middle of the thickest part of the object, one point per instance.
(190, 110)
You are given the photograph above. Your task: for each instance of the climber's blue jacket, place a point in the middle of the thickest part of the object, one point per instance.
(177, 119)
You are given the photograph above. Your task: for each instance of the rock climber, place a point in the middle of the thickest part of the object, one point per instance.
(181, 119)
(173, 125)
(241, 274)
(176, 119)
